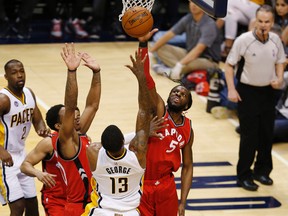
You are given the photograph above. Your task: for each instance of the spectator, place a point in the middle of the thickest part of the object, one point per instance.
(202, 45)
(98, 20)
(21, 25)
(73, 24)
(238, 12)
(258, 75)
(281, 119)
(281, 21)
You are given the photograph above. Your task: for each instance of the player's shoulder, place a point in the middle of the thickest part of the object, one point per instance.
(46, 144)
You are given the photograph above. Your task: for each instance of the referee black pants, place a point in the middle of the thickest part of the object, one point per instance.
(256, 117)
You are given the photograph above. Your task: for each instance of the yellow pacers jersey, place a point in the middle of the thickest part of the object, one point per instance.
(118, 182)
(16, 124)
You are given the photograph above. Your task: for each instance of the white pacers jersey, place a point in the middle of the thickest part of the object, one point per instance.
(16, 124)
(118, 181)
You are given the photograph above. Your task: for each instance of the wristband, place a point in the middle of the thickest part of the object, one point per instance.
(72, 71)
(143, 44)
(94, 72)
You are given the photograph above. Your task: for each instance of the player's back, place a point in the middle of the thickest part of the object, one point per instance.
(76, 173)
(118, 181)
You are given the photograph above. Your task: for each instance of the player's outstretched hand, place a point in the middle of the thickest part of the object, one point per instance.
(90, 63)
(71, 59)
(148, 35)
(137, 64)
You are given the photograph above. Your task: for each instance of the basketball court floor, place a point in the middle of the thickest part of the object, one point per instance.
(214, 191)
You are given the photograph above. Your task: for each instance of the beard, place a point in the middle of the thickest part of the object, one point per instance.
(175, 108)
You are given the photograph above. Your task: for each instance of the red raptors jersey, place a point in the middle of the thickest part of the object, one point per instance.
(52, 166)
(76, 173)
(164, 156)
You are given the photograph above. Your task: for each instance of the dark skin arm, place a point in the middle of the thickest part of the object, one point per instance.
(42, 149)
(145, 112)
(38, 121)
(68, 136)
(5, 156)
(186, 174)
(93, 97)
(92, 155)
(157, 100)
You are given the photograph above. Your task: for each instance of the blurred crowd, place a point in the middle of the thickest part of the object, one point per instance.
(80, 19)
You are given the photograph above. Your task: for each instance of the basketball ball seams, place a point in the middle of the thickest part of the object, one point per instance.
(137, 21)
(138, 17)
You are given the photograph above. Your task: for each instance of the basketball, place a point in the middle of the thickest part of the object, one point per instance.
(137, 21)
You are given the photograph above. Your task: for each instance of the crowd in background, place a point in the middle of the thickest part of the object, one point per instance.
(80, 19)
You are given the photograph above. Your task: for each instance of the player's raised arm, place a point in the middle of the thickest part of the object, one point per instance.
(93, 97)
(67, 134)
(146, 111)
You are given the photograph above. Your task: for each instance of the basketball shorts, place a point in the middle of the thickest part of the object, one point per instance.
(53, 206)
(15, 185)
(159, 197)
(73, 209)
(106, 212)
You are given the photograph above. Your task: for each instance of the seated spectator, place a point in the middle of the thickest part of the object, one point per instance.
(73, 24)
(281, 21)
(18, 18)
(98, 19)
(238, 12)
(217, 101)
(202, 46)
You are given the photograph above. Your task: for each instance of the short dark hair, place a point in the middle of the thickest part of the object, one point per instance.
(52, 116)
(266, 8)
(6, 66)
(112, 138)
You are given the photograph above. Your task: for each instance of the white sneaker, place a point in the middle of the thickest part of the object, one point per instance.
(219, 112)
(161, 69)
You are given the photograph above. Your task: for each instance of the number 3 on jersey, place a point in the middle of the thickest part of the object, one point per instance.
(121, 185)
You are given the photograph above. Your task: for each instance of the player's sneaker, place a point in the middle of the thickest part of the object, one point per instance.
(161, 69)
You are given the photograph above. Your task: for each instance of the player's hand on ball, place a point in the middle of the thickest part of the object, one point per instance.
(148, 35)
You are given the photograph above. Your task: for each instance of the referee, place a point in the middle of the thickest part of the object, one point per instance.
(259, 58)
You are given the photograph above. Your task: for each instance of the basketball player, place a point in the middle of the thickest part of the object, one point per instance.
(70, 145)
(164, 154)
(54, 187)
(18, 111)
(117, 169)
